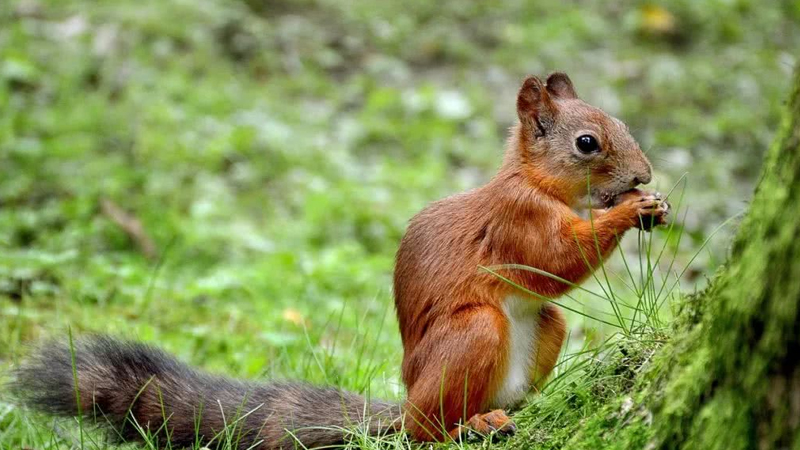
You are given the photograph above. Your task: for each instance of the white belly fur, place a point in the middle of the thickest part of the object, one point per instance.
(523, 329)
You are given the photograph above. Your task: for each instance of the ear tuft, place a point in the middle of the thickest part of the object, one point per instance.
(530, 95)
(560, 86)
(534, 106)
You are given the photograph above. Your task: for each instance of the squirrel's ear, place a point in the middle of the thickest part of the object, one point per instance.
(559, 85)
(534, 107)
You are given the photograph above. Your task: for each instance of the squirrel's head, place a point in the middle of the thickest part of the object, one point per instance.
(572, 148)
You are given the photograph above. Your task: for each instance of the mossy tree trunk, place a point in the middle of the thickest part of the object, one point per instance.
(731, 379)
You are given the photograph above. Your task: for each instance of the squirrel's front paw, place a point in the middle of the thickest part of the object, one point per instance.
(648, 209)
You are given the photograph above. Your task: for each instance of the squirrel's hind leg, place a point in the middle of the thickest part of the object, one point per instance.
(460, 359)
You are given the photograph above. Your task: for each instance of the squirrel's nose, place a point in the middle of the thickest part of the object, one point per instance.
(643, 178)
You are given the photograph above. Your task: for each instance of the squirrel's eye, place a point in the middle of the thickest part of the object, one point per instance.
(587, 144)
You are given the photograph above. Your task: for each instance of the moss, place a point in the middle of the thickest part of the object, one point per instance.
(622, 423)
(722, 422)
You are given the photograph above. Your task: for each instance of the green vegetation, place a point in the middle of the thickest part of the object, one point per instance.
(271, 153)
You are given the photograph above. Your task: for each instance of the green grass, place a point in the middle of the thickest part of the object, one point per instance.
(273, 152)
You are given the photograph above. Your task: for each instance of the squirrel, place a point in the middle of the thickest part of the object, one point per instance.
(473, 344)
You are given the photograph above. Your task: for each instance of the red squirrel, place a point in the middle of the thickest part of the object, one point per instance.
(473, 344)
(470, 335)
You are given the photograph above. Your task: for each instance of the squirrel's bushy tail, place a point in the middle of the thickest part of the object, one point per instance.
(139, 391)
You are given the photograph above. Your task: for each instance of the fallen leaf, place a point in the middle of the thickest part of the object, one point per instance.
(293, 316)
(657, 20)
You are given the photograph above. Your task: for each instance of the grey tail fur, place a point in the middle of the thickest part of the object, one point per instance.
(136, 390)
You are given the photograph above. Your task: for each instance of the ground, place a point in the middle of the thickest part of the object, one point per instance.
(231, 181)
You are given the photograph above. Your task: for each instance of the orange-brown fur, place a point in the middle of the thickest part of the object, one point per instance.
(454, 331)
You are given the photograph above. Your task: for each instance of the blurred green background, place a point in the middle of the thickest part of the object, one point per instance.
(272, 152)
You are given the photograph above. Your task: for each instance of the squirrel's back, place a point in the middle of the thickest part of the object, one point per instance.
(439, 252)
